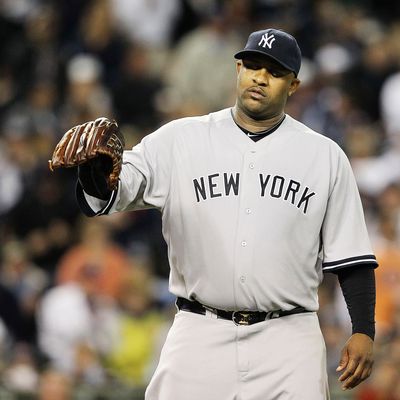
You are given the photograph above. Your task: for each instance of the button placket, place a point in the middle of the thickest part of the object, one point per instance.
(245, 227)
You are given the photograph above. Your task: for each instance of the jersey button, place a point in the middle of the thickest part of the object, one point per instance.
(244, 243)
(242, 279)
(248, 211)
(251, 166)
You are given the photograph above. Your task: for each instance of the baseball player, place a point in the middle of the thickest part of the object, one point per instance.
(255, 208)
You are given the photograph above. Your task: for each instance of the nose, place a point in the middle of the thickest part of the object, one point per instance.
(260, 76)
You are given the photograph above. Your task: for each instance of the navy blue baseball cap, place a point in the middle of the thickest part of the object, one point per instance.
(275, 44)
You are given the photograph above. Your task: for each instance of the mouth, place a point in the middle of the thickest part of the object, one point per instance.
(256, 93)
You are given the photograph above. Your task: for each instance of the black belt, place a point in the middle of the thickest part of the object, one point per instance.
(238, 317)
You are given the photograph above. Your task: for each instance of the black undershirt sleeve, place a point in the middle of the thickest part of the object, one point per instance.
(358, 287)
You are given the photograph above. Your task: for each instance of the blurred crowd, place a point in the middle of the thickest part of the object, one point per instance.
(84, 303)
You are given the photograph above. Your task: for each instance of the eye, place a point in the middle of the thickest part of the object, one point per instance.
(276, 73)
(250, 65)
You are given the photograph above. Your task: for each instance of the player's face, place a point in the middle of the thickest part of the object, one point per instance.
(263, 87)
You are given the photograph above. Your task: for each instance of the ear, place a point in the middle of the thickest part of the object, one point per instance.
(239, 65)
(294, 85)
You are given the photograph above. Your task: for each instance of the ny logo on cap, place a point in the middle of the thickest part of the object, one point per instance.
(266, 40)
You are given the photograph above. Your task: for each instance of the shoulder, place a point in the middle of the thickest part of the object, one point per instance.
(317, 147)
(200, 120)
(183, 126)
(307, 134)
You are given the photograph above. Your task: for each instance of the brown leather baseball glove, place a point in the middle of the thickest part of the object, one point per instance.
(88, 141)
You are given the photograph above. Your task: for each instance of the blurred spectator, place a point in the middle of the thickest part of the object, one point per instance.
(364, 80)
(33, 121)
(11, 321)
(41, 32)
(18, 135)
(159, 15)
(135, 90)
(26, 282)
(15, 54)
(45, 216)
(374, 174)
(86, 98)
(333, 59)
(98, 37)
(383, 384)
(73, 322)
(141, 330)
(327, 112)
(140, 233)
(21, 374)
(11, 185)
(363, 139)
(389, 100)
(201, 69)
(95, 259)
(54, 385)
(387, 245)
(17, 10)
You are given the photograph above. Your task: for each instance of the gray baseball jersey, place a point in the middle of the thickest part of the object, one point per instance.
(249, 225)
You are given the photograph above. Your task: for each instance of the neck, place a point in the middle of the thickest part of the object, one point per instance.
(253, 125)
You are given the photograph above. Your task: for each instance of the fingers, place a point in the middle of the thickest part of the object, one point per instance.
(356, 371)
(58, 158)
(81, 150)
(93, 132)
(344, 359)
(349, 371)
(71, 149)
(73, 144)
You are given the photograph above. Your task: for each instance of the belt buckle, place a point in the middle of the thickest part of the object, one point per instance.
(241, 318)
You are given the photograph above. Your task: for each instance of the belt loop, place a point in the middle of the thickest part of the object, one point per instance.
(211, 314)
(272, 315)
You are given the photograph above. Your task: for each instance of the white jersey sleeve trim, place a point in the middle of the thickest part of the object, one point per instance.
(349, 262)
(94, 203)
(92, 206)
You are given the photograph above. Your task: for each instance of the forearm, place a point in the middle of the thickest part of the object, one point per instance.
(358, 287)
(94, 197)
(93, 205)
